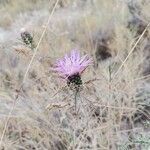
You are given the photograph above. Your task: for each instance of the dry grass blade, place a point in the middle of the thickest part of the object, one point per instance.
(131, 50)
(27, 70)
(37, 108)
(143, 77)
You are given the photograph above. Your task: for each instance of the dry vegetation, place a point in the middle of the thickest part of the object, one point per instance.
(37, 108)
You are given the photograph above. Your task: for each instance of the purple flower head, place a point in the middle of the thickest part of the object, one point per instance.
(72, 64)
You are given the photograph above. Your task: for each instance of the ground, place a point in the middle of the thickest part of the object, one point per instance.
(37, 108)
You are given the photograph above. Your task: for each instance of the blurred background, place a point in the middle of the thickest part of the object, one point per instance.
(37, 108)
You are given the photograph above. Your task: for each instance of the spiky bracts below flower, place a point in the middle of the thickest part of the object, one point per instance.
(74, 81)
(71, 67)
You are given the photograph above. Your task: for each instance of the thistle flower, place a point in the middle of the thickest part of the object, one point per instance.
(71, 67)
(27, 37)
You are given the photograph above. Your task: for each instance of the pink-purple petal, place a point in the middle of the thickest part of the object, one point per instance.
(72, 64)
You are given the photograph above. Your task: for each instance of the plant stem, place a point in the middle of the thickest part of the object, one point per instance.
(75, 98)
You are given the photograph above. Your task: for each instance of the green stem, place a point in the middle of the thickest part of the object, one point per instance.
(75, 98)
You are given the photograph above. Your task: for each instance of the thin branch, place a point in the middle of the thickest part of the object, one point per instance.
(131, 50)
